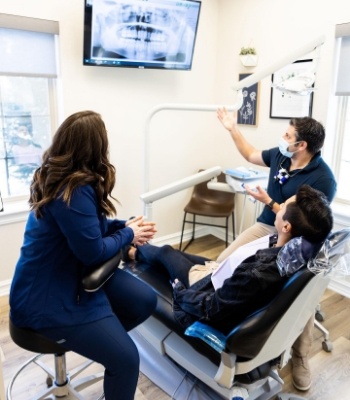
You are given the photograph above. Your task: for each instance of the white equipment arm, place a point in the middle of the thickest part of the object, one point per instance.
(248, 81)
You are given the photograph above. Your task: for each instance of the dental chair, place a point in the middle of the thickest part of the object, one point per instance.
(244, 366)
(201, 365)
(247, 367)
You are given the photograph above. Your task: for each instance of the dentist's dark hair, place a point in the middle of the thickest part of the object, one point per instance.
(310, 131)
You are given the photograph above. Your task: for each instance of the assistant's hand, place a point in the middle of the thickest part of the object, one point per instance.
(139, 219)
(228, 120)
(143, 230)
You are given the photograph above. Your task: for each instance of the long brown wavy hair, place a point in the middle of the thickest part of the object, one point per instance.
(77, 156)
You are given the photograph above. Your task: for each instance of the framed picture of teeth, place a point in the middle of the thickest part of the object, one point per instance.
(292, 91)
(248, 113)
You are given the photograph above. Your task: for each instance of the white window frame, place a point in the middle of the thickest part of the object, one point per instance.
(16, 208)
(334, 143)
(341, 100)
(342, 104)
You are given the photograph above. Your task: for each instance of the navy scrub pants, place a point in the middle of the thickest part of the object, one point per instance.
(106, 341)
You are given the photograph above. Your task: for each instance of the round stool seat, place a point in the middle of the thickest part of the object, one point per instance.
(33, 341)
(60, 383)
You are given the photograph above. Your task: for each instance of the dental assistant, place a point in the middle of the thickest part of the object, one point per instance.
(71, 228)
(296, 161)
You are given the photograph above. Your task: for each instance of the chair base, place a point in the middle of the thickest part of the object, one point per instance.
(327, 345)
(68, 389)
(179, 370)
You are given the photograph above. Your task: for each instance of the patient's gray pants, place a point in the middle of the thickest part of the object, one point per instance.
(254, 232)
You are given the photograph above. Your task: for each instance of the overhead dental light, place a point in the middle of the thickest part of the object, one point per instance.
(301, 83)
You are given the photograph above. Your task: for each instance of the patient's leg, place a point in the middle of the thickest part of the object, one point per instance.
(175, 261)
(254, 232)
(301, 373)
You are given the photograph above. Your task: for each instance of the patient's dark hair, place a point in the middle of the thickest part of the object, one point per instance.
(310, 215)
(77, 156)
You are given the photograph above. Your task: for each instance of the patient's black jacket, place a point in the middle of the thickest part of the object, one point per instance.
(254, 283)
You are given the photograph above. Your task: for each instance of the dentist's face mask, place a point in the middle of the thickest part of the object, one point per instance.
(283, 147)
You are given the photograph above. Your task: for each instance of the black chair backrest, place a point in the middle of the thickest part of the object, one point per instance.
(247, 338)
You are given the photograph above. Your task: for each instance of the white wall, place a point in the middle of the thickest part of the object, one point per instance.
(275, 28)
(181, 142)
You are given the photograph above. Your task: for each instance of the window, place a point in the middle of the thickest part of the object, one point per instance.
(27, 99)
(341, 151)
(25, 126)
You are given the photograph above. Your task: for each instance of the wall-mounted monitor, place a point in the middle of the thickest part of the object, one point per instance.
(157, 34)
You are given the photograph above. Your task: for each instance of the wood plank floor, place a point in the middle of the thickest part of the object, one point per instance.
(331, 371)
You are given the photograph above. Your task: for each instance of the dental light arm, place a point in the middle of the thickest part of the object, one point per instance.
(177, 107)
(221, 186)
(149, 196)
(164, 191)
(185, 183)
(289, 59)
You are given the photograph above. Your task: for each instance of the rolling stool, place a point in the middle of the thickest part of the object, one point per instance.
(59, 381)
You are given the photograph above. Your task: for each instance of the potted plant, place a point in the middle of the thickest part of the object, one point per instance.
(248, 56)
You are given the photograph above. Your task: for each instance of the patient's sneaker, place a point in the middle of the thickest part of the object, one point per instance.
(301, 373)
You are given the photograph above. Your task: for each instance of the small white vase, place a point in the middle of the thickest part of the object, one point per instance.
(249, 60)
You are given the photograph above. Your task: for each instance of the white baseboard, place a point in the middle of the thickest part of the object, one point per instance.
(200, 231)
(5, 287)
(172, 239)
(340, 286)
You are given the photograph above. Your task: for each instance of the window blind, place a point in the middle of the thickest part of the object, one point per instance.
(28, 46)
(343, 74)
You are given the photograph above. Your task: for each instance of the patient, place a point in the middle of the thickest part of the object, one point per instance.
(256, 281)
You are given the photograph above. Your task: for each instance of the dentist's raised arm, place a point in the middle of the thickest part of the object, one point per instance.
(229, 122)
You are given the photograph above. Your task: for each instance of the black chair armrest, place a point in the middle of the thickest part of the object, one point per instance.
(95, 277)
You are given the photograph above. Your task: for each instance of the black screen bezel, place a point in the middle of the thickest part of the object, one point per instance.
(146, 64)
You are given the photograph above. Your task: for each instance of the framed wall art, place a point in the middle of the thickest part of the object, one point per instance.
(248, 113)
(288, 105)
